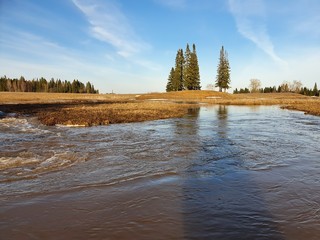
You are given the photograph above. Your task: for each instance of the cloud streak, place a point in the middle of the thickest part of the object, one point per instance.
(250, 17)
(110, 25)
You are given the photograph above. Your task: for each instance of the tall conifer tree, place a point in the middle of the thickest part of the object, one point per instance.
(191, 71)
(178, 72)
(185, 74)
(195, 69)
(187, 77)
(315, 90)
(170, 81)
(223, 72)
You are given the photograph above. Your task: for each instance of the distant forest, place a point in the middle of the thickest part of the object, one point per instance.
(295, 87)
(42, 85)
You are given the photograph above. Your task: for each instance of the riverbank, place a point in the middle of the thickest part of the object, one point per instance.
(84, 114)
(104, 109)
(292, 101)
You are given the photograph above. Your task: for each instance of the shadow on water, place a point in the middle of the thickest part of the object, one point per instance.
(220, 200)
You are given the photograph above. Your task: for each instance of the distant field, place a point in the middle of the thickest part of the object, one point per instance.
(102, 109)
(26, 97)
(310, 105)
(203, 96)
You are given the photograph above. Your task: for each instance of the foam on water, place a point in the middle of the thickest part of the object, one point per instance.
(24, 153)
(30, 165)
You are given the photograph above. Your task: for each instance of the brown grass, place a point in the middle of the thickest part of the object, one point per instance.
(21, 97)
(185, 95)
(310, 105)
(99, 113)
(104, 114)
(93, 109)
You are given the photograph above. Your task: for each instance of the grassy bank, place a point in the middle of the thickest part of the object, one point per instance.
(293, 101)
(89, 110)
(110, 113)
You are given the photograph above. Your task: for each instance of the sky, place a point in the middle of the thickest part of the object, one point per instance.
(129, 46)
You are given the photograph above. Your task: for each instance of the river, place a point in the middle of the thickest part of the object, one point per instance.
(220, 172)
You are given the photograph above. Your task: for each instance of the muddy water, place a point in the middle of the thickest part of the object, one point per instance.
(218, 173)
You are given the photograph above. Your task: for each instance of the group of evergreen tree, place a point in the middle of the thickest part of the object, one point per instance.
(185, 75)
(284, 88)
(261, 90)
(42, 85)
(311, 92)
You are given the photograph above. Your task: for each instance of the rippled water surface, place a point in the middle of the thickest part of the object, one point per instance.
(221, 172)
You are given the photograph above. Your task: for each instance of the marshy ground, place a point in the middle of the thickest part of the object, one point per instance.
(104, 109)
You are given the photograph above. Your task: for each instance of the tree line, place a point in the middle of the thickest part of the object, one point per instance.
(285, 87)
(186, 76)
(42, 85)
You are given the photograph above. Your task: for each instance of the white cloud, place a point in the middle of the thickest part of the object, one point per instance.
(110, 25)
(250, 20)
(29, 55)
(33, 47)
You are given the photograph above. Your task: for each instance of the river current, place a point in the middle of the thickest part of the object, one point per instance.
(220, 172)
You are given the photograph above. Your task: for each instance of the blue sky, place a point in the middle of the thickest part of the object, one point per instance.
(129, 46)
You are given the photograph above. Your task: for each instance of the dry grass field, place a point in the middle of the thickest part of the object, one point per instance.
(104, 114)
(88, 109)
(103, 109)
(22, 97)
(293, 101)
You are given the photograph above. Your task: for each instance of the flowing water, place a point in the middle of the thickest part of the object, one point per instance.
(221, 172)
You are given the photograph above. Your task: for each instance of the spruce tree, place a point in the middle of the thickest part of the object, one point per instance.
(177, 82)
(223, 71)
(187, 75)
(191, 69)
(170, 81)
(315, 90)
(194, 65)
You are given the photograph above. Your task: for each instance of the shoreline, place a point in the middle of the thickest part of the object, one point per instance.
(90, 110)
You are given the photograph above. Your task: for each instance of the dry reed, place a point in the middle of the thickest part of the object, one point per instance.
(94, 109)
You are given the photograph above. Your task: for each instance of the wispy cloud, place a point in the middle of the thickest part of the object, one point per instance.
(250, 19)
(32, 47)
(110, 25)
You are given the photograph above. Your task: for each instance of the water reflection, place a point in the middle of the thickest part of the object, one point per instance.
(188, 125)
(220, 201)
(222, 117)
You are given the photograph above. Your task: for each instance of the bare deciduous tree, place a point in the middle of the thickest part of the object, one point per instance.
(210, 87)
(285, 86)
(255, 85)
(296, 86)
